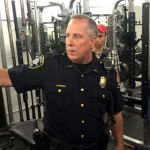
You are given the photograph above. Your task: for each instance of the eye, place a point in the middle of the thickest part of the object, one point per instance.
(76, 36)
(100, 36)
(67, 35)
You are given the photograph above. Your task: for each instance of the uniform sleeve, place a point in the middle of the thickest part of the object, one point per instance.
(116, 94)
(28, 77)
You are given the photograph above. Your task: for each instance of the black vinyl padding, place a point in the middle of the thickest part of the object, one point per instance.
(24, 130)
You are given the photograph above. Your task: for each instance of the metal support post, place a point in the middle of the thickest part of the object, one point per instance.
(115, 24)
(131, 47)
(4, 64)
(146, 71)
(86, 6)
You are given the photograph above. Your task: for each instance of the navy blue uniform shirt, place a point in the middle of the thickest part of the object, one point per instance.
(75, 101)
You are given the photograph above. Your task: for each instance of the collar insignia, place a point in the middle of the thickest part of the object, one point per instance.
(69, 66)
(95, 70)
(102, 82)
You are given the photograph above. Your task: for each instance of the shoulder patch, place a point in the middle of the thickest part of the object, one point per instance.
(37, 62)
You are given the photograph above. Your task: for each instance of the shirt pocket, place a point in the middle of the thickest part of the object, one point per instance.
(60, 95)
(99, 98)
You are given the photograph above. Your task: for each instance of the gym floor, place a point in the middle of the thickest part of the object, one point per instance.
(133, 127)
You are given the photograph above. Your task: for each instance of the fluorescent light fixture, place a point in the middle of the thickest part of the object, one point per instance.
(106, 3)
(94, 3)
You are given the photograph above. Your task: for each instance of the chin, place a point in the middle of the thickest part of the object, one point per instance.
(72, 58)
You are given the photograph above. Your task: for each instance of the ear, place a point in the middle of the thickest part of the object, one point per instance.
(106, 36)
(93, 40)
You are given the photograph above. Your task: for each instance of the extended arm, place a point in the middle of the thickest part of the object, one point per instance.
(118, 77)
(117, 130)
(4, 78)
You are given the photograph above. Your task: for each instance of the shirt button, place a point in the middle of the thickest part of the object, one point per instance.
(100, 62)
(82, 75)
(82, 90)
(103, 95)
(82, 121)
(59, 90)
(69, 66)
(82, 105)
(82, 136)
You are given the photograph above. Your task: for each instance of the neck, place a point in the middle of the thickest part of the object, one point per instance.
(84, 60)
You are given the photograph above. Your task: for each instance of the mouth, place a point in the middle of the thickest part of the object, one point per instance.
(71, 51)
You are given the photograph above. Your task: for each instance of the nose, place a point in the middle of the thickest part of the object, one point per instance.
(69, 41)
(97, 39)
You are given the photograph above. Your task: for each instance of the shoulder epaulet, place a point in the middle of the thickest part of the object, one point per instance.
(54, 54)
(51, 55)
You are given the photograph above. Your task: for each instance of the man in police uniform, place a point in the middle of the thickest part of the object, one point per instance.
(76, 90)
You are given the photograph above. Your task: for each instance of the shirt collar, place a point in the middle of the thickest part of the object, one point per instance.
(94, 67)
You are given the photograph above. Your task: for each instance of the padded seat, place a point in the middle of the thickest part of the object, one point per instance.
(24, 130)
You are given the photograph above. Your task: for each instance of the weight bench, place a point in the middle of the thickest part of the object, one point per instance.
(24, 131)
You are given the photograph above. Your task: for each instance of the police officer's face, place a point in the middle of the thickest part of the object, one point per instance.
(100, 40)
(78, 42)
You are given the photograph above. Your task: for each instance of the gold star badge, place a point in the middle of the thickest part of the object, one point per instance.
(102, 82)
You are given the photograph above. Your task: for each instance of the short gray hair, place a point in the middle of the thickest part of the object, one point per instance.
(92, 27)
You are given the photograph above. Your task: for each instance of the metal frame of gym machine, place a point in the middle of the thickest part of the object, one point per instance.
(146, 71)
(145, 89)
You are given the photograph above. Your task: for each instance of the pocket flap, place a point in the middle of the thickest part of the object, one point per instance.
(60, 88)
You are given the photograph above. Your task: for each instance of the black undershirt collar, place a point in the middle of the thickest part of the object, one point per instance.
(83, 67)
